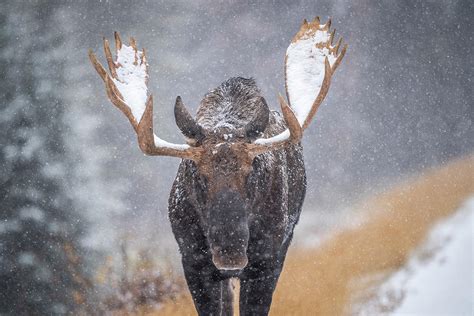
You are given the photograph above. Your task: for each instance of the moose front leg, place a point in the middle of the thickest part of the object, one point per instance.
(211, 294)
(259, 279)
(256, 289)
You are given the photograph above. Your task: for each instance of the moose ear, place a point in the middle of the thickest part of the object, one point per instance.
(185, 122)
(258, 125)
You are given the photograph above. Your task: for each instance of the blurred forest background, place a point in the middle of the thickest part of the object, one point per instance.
(82, 211)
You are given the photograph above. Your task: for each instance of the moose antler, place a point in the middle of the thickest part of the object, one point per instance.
(126, 87)
(311, 60)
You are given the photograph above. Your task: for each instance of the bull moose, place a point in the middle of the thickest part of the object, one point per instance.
(241, 183)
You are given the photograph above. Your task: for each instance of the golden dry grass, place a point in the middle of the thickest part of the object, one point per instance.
(321, 281)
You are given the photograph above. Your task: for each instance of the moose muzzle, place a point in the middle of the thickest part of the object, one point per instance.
(228, 231)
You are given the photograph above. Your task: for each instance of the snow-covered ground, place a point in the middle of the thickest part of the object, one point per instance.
(439, 277)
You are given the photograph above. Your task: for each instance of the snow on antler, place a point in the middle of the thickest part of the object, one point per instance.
(131, 79)
(126, 87)
(311, 59)
(305, 67)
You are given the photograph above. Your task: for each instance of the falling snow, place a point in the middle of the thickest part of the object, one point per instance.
(84, 213)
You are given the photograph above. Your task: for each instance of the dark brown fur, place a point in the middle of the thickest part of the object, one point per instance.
(232, 211)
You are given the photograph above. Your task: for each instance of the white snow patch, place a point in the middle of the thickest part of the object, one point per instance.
(32, 212)
(163, 143)
(438, 279)
(7, 226)
(131, 82)
(132, 77)
(305, 71)
(32, 145)
(277, 138)
(26, 258)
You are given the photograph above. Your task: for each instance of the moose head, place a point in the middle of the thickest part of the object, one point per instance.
(224, 154)
(224, 166)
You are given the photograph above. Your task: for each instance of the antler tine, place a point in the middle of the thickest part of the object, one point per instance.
(143, 57)
(327, 26)
(110, 60)
(97, 65)
(331, 37)
(133, 43)
(336, 48)
(339, 57)
(118, 41)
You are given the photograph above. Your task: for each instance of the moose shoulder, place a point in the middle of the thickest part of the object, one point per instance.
(241, 184)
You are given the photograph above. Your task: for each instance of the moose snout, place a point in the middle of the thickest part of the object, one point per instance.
(229, 261)
(228, 232)
(230, 252)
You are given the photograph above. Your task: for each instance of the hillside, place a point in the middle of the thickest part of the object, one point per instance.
(438, 278)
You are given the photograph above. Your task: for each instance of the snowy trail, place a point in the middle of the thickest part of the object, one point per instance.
(439, 277)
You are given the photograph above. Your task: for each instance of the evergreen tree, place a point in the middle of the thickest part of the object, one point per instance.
(40, 265)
